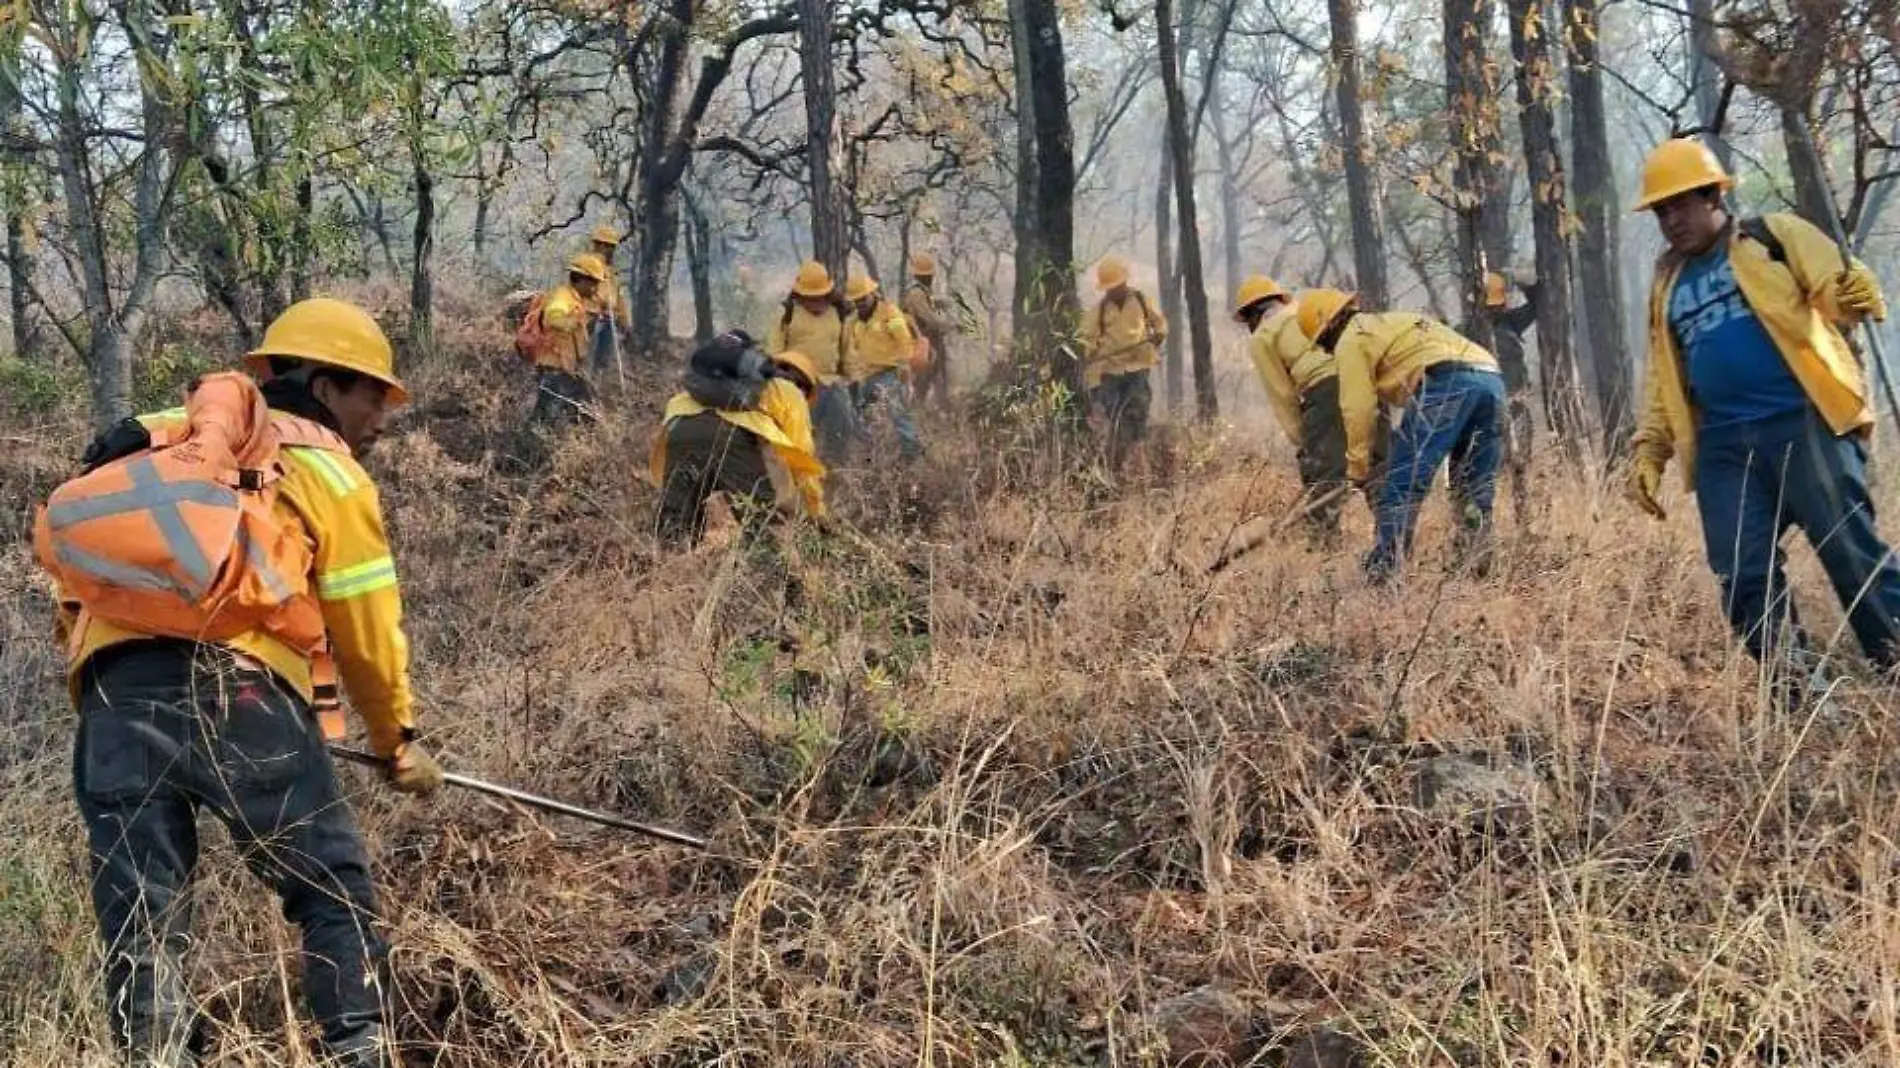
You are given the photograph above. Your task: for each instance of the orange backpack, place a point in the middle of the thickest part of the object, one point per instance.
(531, 337)
(181, 539)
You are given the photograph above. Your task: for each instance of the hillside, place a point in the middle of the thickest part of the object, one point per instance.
(998, 776)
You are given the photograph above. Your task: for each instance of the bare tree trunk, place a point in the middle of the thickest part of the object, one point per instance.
(1813, 196)
(1368, 225)
(303, 251)
(1229, 202)
(1705, 77)
(20, 284)
(1599, 240)
(1181, 153)
(1536, 88)
(662, 166)
(422, 265)
(1047, 317)
(831, 242)
(699, 265)
(1474, 132)
(1168, 288)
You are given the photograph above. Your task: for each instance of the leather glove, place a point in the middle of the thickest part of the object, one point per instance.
(1645, 484)
(413, 771)
(1857, 292)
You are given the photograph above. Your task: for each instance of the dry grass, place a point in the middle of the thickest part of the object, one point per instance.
(994, 780)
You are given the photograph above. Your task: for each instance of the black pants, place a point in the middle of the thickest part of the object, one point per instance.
(558, 399)
(1323, 458)
(1124, 401)
(167, 728)
(707, 455)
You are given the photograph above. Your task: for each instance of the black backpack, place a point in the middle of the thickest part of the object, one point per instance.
(728, 372)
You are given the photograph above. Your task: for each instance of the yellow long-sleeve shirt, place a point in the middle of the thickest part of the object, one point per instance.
(920, 305)
(1288, 366)
(883, 342)
(782, 420)
(821, 336)
(1382, 356)
(611, 301)
(566, 316)
(1120, 337)
(329, 498)
(1795, 301)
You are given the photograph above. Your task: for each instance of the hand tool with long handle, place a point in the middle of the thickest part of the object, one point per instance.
(545, 804)
(1298, 513)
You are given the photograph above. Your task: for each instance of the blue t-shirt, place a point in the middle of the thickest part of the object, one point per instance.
(1736, 374)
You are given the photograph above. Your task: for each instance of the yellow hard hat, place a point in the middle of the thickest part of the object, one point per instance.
(799, 362)
(1254, 290)
(859, 286)
(923, 265)
(588, 265)
(1678, 166)
(1111, 272)
(1319, 307)
(812, 281)
(1496, 290)
(605, 235)
(334, 333)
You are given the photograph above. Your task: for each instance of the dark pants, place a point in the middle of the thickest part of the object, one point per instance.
(1124, 401)
(887, 391)
(707, 455)
(1323, 459)
(835, 423)
(1756, 481)
(558, 397)
(161, 737)
(1455, 416)
(934, 378)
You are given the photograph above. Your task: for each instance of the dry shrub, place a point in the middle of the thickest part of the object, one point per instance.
(997, 768)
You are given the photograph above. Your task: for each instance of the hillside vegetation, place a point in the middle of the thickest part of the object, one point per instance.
(997, 775)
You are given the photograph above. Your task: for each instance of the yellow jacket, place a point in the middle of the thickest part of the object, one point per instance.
(565, 316)
(884, 342)
(1288, 365)
(330, 498)
(1382, 356)
(782, 420)
(1119, 338)
(821, 337)
(921, 306)
(608, 300)
(1794, 303)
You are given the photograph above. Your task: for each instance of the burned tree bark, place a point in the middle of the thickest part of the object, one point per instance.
(1045, 259)
(1368, 225)
(1473, 124)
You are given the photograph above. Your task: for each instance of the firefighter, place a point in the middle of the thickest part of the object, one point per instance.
(812, 321)
(1752, 387)
(1121, 338)
(1453, 401)
(170, 726)
(884, 343)
(564, 319)
(920, 305)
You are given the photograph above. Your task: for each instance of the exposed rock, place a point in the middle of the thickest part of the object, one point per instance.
(1472, 789)
(1323, 1047)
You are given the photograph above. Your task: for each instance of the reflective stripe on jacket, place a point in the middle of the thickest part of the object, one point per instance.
(326, 497)
(1382, 356)
(1794, 303)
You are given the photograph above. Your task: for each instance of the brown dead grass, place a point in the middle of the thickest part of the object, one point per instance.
(994, 776)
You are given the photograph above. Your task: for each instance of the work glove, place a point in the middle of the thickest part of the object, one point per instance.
(1857, 292)
(413, 771)
(1645, 483)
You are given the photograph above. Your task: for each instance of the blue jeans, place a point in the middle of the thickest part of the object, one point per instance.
(1456, 415)
(835, 423)
(888, 390)
(1752, 483)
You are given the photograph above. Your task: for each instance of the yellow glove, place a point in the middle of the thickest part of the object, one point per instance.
(413, 771)
(1857, 292)
(1645, 484)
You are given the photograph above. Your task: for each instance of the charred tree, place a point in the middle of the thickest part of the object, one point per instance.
(1368, 224)
(1599, 237)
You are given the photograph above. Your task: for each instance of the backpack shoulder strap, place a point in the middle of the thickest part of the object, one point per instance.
(785, 320)
(1756, 228)
(1147, 311)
